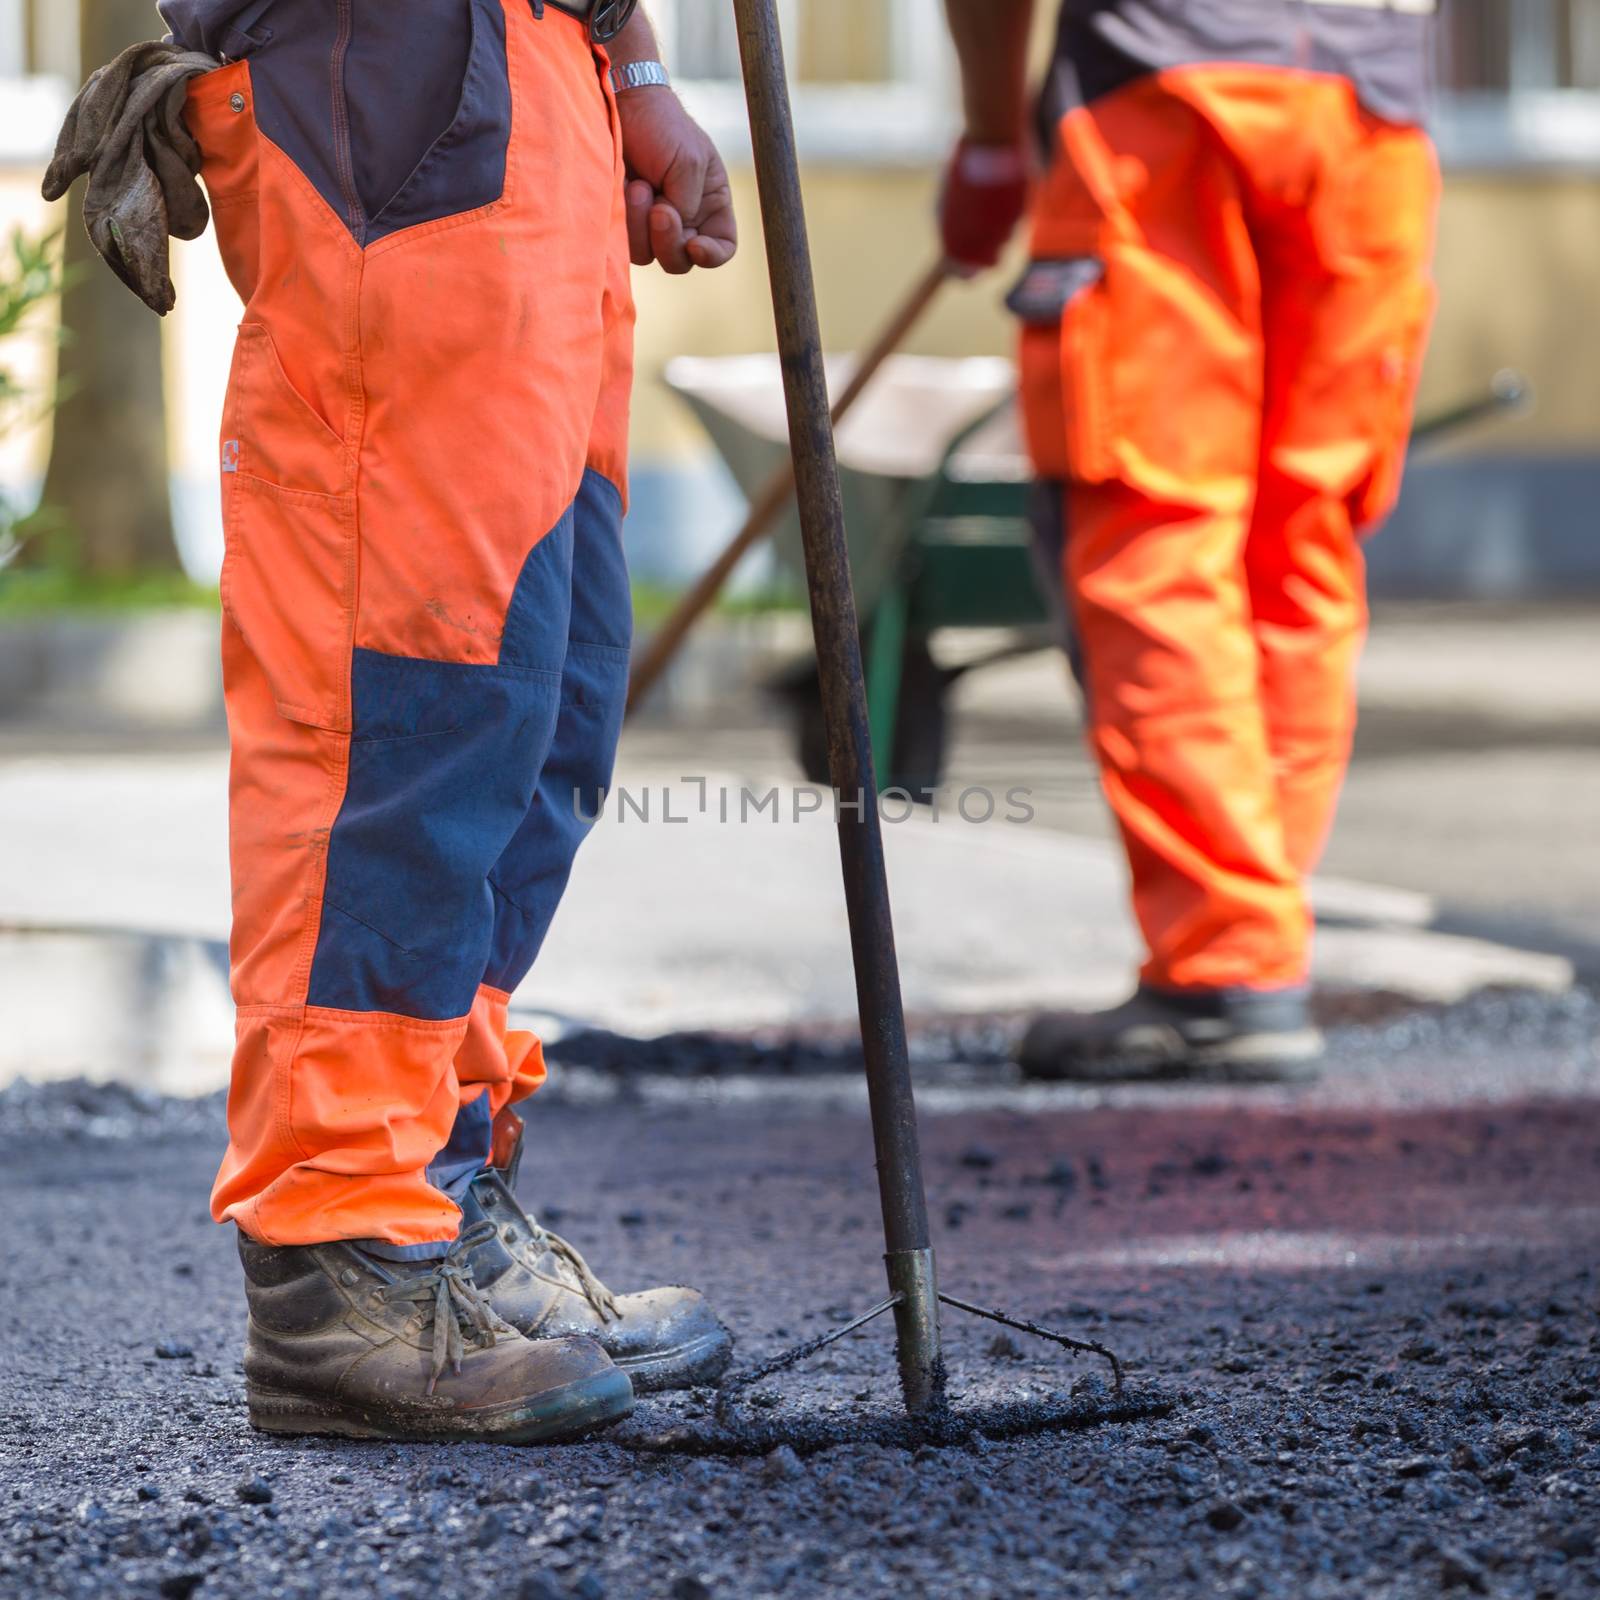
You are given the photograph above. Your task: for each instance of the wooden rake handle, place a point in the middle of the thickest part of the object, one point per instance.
(772, 499)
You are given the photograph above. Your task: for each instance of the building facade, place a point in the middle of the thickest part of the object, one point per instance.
(1502, 510)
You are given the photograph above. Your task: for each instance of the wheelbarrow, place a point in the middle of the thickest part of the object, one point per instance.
(937, 488)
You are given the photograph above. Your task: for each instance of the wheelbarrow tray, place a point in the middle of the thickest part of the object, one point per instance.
(895, 441)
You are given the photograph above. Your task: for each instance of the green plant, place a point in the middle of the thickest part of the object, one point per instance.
(654, 602)
(31, 277)
(28, 590)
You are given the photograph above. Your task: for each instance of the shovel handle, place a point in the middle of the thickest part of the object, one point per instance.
(772, 499)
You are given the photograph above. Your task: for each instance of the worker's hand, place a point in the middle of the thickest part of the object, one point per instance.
(985, 195)
(680, 204)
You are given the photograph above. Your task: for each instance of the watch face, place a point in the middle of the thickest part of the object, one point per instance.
(610, 17)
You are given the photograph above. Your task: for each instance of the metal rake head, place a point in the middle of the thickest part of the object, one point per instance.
(936, 1421)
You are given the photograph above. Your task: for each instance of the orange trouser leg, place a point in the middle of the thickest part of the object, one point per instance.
(1161, 363)
(531, 873)
(426, 613)
(1346, 307)
(1208, 402)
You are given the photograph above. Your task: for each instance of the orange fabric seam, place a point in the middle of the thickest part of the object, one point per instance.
(425, 230)
(320, 212)
(621, 488)
(339, 771)
(387, 1020)
(311, 496)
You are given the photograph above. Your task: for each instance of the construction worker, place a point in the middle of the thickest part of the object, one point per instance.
(1222, 326)
(429, 210)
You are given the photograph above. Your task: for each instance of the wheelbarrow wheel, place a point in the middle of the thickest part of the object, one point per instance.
(921, 725)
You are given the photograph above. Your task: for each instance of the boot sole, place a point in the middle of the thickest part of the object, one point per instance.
(1286, 1058)
(570, 1412)
(1264, 1058)
(686, 1366)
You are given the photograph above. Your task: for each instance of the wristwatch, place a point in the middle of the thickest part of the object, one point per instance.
(639, 75)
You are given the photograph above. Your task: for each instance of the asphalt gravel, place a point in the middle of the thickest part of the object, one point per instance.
(1373, 1317)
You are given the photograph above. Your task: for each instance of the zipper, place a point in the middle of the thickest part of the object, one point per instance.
(344, 160)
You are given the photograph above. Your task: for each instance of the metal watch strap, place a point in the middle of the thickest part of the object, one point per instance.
(639, 75)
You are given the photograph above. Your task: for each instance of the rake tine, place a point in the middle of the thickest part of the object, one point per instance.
(1066, 1340)
(734, 1382)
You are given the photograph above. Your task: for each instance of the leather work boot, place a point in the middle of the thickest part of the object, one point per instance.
(1156, 1037)
(662, 1338)
(342, 1342)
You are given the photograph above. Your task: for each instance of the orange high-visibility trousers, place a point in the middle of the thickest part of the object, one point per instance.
(426, 614)
(1224, 390)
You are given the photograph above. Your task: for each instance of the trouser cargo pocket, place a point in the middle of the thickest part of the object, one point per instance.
(289, 521)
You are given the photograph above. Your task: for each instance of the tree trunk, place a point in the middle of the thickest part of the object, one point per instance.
(107, 482)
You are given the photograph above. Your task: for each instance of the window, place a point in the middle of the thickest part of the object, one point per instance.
(873, 79)
(13, 39)
(698, 39)
(1511, 45)
(1520, 82)
(831, 41)
(38, 73)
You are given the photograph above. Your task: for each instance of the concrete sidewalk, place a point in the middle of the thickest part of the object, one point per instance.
(1476, 779)
(731, 916)
(1475, 796)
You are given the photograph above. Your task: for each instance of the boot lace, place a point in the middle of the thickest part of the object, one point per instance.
(446, 1295)
(569, 1256)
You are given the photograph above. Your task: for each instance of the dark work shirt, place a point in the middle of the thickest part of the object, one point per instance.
(1383, 48)
(404, 63)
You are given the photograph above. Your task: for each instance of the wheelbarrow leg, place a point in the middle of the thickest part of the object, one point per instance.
(885, 673)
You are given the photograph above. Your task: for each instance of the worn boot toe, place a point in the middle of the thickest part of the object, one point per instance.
(666, 1338)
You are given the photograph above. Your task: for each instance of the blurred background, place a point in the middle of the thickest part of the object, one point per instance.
(1476, 793)
(1505, 515)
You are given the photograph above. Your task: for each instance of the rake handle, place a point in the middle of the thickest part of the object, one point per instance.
(772, 498)
(844, 704)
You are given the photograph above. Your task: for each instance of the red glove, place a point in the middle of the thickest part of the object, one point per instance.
(985, 195)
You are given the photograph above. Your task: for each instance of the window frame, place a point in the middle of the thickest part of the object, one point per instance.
(911, 120)
(1535, 121)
